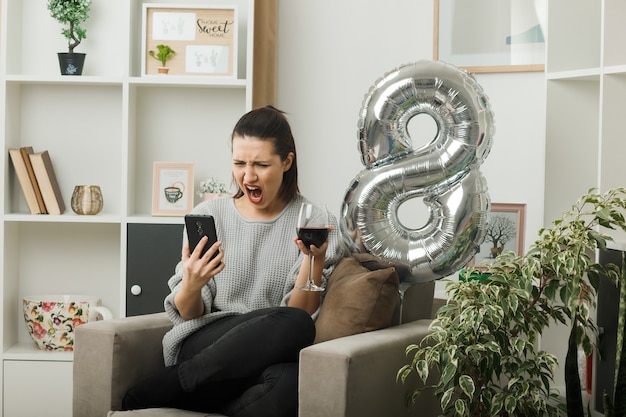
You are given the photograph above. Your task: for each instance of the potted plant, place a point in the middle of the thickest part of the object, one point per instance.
(212, 188)
(71, 13)
(164, 54)
(483, 342)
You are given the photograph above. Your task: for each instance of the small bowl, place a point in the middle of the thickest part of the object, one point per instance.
(51, 319)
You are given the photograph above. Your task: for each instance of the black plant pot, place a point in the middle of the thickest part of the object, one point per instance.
(71, 63)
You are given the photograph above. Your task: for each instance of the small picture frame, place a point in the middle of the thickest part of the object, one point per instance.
(204, 39)
(485, 36)
(504, 232)
(172, 190)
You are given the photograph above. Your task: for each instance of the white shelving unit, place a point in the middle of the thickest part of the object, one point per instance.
(106, 127)
(586, 86)
(586, 82)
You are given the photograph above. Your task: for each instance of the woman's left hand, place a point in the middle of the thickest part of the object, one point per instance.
(309, 301)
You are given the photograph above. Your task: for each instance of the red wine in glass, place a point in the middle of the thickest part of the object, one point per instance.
(312, 229)
(313, 235)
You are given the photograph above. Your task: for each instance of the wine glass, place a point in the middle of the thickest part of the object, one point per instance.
(312, 229)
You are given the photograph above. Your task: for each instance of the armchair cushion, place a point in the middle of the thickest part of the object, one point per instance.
(358, 298)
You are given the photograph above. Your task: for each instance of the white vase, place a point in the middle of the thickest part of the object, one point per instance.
(211, 196)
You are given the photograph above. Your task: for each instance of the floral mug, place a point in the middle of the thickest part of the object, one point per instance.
(51, 319)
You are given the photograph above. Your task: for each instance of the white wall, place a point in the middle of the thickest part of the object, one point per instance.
(329, 55)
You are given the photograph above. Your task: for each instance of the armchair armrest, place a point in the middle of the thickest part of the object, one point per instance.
(112, 355)
(355, 376)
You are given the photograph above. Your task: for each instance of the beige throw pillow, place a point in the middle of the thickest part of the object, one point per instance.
(358, 299)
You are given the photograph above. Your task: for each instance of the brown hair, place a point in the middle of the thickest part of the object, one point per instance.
(269, 123)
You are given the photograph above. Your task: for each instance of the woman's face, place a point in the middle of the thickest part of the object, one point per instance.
(258, 171)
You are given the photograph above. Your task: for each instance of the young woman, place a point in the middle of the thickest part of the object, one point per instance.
(239, 322)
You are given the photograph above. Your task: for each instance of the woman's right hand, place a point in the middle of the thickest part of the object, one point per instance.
(197, 269)
(197, 272)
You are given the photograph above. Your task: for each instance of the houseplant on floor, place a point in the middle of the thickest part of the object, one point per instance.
(71, 13)
(483, 343)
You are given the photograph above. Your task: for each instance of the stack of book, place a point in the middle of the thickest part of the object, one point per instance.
(38, 181)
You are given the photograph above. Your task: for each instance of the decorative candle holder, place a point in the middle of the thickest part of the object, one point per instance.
(87, 199)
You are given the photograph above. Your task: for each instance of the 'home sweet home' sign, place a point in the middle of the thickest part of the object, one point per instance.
(204, 39)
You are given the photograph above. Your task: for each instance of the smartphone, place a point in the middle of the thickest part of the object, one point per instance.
(197, 227)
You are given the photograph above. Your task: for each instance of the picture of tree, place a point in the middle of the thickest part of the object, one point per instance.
(504, 231)
(500, 230)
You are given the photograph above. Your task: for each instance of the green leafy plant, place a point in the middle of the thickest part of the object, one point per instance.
(483, 342)
(71, 13)
(164, 54)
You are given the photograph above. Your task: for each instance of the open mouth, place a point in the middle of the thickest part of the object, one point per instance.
(255, 194)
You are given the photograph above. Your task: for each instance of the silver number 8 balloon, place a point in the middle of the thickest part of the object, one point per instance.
(444, 173)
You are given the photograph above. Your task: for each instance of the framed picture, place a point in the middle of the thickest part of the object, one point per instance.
(172, 190)
(490, 35)
(505, 232)
(204, 39)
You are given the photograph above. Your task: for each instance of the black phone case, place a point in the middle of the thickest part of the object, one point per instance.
(197, 227)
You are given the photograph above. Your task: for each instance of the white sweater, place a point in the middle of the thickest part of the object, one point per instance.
(262, 263)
